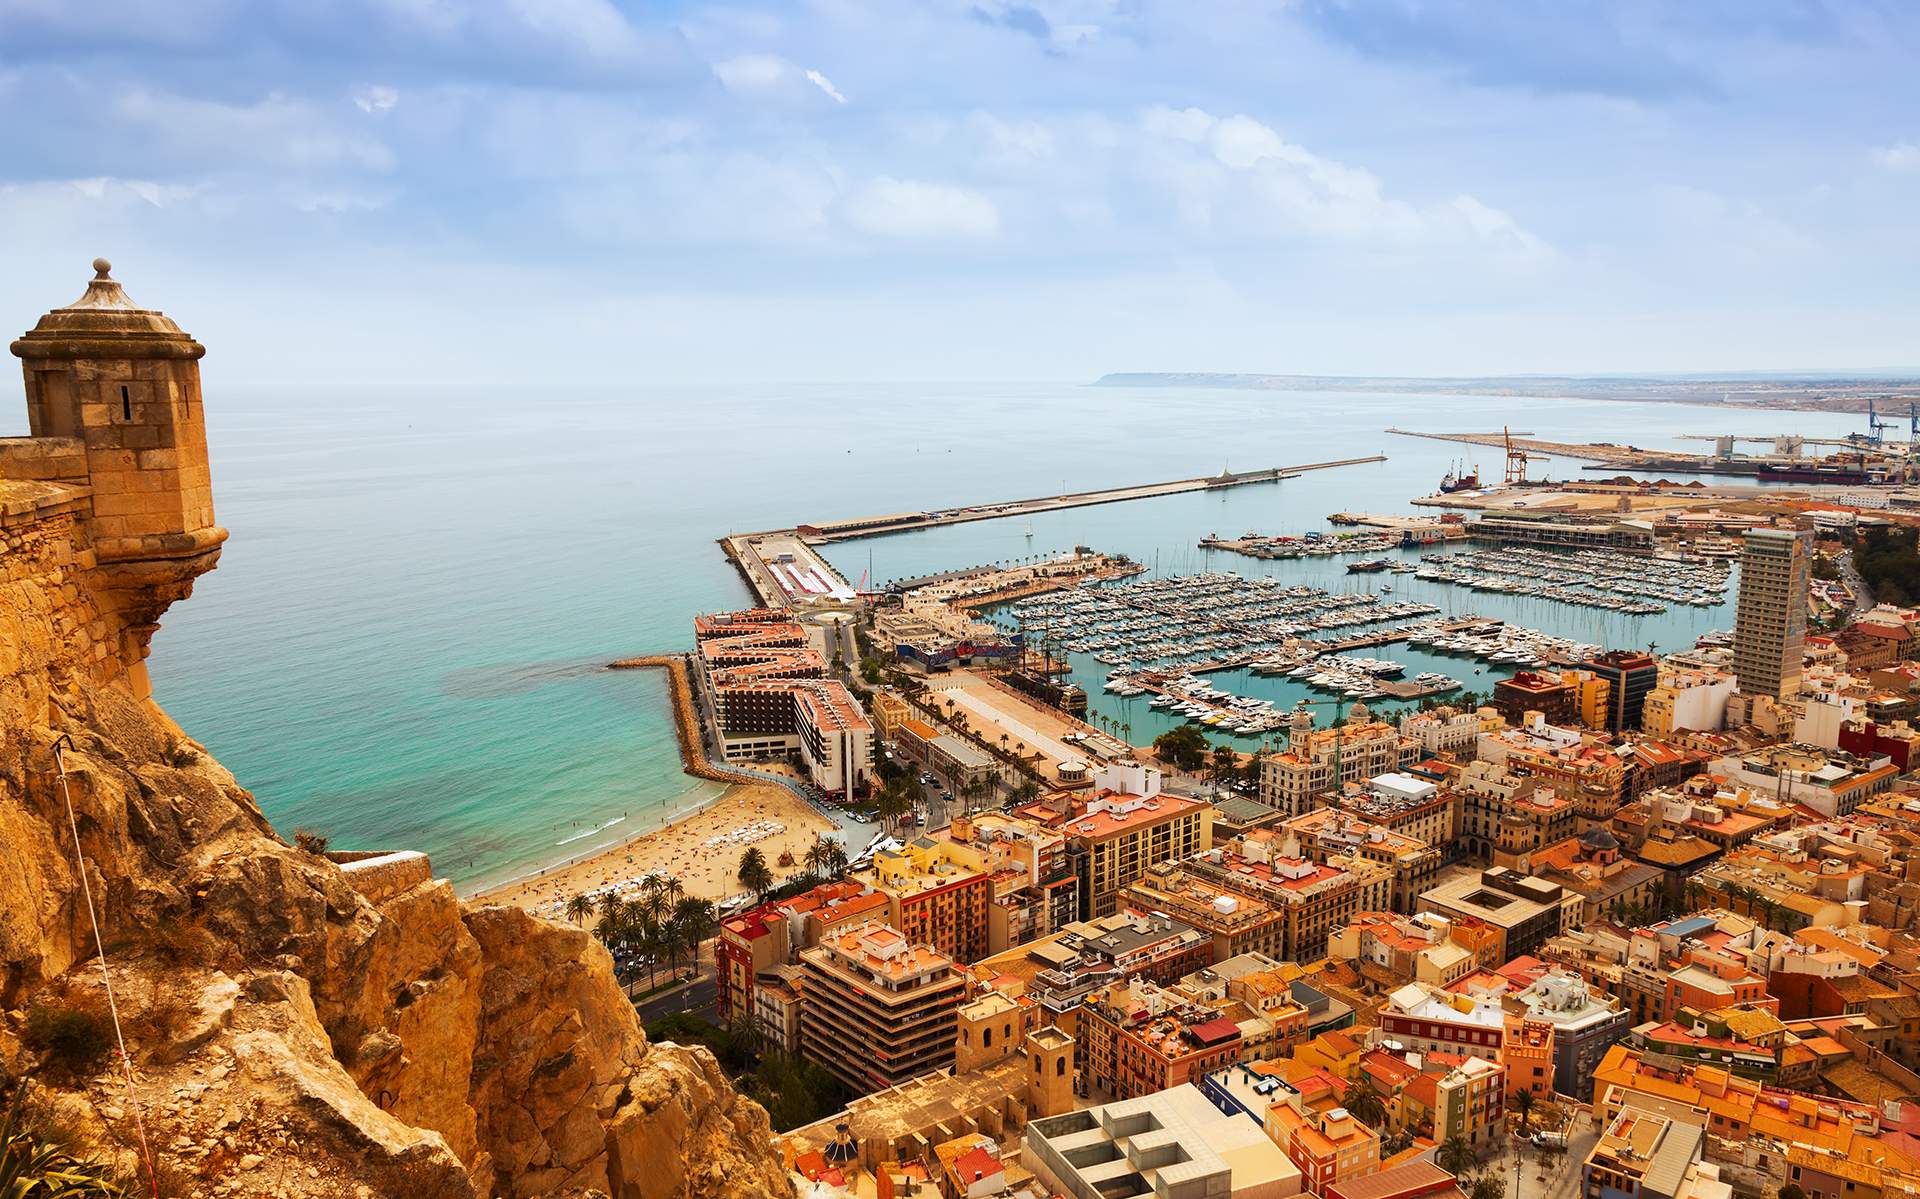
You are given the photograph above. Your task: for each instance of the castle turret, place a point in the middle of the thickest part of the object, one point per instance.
(113, 403)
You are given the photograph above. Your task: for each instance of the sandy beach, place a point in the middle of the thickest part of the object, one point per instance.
(701, 850)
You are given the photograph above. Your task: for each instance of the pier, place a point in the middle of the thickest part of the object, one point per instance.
(874, 526)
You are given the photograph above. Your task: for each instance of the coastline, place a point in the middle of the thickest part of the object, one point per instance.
(701, 849)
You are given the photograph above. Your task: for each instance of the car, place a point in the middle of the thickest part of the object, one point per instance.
(1549, 1140)
(946, 797)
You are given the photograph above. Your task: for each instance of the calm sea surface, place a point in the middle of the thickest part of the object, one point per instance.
(402, 646)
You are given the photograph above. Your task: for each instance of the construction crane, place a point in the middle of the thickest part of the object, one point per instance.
(1516, 460)
(1913, 422)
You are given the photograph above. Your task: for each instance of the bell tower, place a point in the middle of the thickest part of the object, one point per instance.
(114, 389)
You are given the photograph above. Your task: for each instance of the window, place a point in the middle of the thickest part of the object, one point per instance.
(126, 404)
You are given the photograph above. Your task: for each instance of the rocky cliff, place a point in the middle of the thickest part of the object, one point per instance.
(296, 1025)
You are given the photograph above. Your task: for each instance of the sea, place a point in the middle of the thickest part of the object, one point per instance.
(404, 645)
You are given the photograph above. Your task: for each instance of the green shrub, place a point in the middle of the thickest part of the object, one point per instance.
(73, 1040)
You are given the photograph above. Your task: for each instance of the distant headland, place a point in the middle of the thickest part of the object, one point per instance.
(1836, 391)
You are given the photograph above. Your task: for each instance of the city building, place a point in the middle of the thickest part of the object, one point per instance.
(1089, 955)
(957, 761)
(1138, 1037)
(1770, 622)
(1581, 767)
(1328, 1146)
(1313, 898)
(1504, 814)
(1126, 826)
(1542, 528)
(1238, 923)
(1524, 911)
(1642, 1155)
(936, 895)
(1585, 1022)
(877, 1010)
(1686, 698)
(1034, 888)
(1832, 782)
(1465, 1097)
(1330, 833)
(762, 688)
(1564, 697)
(1447, 730)
(1391, 950)
(1593, 867)
(1171, 1145)
(1317, 761)
(1463, 1023)
(756, 940)
(1405, 803)
(1630, 676)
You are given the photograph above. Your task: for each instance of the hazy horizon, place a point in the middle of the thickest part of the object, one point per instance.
(599, 192)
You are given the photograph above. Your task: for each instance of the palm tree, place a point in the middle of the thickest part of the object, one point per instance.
(687, 928)
(754, 873)
(892, 805)
(1456, 1156)
(1523, 1103)
(1364, 1103)
(579, 907)
(641, 925)
(826, 857)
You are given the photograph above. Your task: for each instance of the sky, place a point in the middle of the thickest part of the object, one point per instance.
(603, 191)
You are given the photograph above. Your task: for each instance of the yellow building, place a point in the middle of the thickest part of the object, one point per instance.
(936, 895)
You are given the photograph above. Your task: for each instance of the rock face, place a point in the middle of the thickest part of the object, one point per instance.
(295, 1026)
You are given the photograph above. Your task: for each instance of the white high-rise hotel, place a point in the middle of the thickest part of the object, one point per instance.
(1770, 628)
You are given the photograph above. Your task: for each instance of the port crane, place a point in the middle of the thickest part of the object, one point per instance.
(1516, 459)
(1876, 428)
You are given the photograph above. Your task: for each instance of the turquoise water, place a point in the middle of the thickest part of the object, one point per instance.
(403, 643)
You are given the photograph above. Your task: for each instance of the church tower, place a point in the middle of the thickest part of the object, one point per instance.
(1050, 1076)
(113, 397)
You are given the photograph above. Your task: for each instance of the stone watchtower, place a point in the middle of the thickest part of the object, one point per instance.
(114, 412)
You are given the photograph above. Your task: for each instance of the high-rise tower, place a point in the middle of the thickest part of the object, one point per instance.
(113, 406)
(1770, 626)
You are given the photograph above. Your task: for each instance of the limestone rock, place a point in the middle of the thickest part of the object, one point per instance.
(291, 1034)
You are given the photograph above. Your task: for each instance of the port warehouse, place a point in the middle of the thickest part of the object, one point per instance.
(1632, 536)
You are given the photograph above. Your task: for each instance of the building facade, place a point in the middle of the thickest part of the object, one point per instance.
(1770, 623)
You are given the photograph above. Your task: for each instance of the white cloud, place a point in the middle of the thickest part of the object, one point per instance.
(1900, 156)
(1238, 177)
(769, 74)
(376, 98)
(909, 208)
(826, 85)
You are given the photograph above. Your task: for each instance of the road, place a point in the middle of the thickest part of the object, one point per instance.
(697, 998)
(1850, 575)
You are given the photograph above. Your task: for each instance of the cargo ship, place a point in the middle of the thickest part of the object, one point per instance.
(1367, 566)
(1460, 479)
(1812, 472)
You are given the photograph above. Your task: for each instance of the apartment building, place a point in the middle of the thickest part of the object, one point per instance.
(1770, 619)
(1504, 814)
(1630, 676)
(1524, 910)
(1686, 699)
(876, 1009)
(763, 690)
(1328, 1147)
(1115, 836)
(1580, 767)
(1314, 898)
(1035, 891)
(1089, 955)
(1331, 833)
(1391, 950)
(1236, 922)
(935, 895)
(1449, 731)
(1318, 761)
(1406, 803)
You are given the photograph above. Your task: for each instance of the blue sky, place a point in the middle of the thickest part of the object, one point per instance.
(600, 191)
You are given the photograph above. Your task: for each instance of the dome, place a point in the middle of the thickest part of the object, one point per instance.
(105, 323)
(1598, 837)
